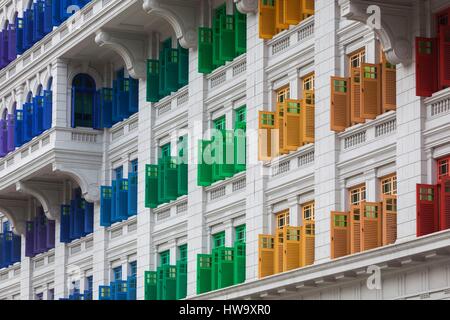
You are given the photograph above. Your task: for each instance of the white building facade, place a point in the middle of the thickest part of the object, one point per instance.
(347, 167)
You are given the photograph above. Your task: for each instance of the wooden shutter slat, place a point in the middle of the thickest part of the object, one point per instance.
(279, 248)
(266, 135)
(307, 243)
(280, 24)
(370, 90)
(340, 104)
(444, 57)
(339, 234)
(307, 8)
(355, 101)
(292, 135)
(389, 219)
(266, 252)
(426, 66)
(308, 117)
(266, 23)
(280, 125)
(355, 229)
(444, 219)
(291, 11)
(291, 248)
(427, 209)
(370, 225)
(389, 85)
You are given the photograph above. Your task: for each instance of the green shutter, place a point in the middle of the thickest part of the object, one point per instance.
(227, 41)
(203, 273)
(153, 81)
(204, 172)
(226, 170)
(240, 30)
(239, 262)
(216, 43)
(151, 186)
(162, 73)
(205, 51)
(171, 73)
(219, 240)
(169, 283)
(161, 180)
(183, 252)
(182, 166)
(225, 267)
(217, 156)
(159, 283)
(181, 279)
(215, 269)
(170, 178)
(240, 140)
(240, 233)
(150, 285)
(183, 66)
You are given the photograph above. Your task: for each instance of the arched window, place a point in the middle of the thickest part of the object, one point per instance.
(83, 98)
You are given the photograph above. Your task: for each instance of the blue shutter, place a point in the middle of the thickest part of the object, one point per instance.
(134, 96)
(27, 122)
(50, 239)
(38, 116)
(114, 193)
(3, 49)
(105, 206)
(48, 15)
(18, 130)
(79, 218)
(19, 35)
(122, 205)
(65, 224)
(16, 248)
(48, 110)
(29, 239)
(106, 98)
(124, 97)
(27, 29)
(56, 13)
(120, 290)
(115, 104)
(96, 112)
(88, 218)
(73, 122)
(38, 20)
(131, 284)
(73, 206)
(104, 293)
(132, 193)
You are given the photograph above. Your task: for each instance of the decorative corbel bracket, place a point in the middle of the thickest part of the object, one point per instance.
(393, 28)
(247, 6)
(181, 15)
(48, 194)
(130, 47)
(16, 212)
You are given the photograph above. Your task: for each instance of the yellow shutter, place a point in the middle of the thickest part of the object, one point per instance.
(340, 104)
(266, 254)
(307, 243)
(279, 248)
(355, 100)
(279, 124)
(370, 225)
(291, 252)
(266, 19)
(339, 234)
(292, 134)
(389, 85)
(355, 229)
(389, 218)
(370, 90)
(279, 15)
(308, 117)
(266, 135)
(307, 9)
(292, 11)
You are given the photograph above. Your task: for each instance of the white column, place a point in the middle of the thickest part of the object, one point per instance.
(61, 110)
(372, 189)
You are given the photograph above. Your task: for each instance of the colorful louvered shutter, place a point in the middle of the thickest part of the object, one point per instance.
(10, 128)
(240, 30)
(444, 57)
(292, 11)
(266, 22)
(444, 199)
(182, 166)
(171, 179)
(204, 265)
(132, 193)
(427, 209)
(29, 239)
(181, 281)
(65, 224)
(340, 104)
(47, 110)
(239, 263)
(151, 186)
(355, 228)
(183, 66)
(426, 66)
(279, 124)
(153, 80)
(105, 206)
(370, 90)
(18, 130)
(171, 70)
(307, 8)
(280, 23)
(150, 279)
(370, 225)
(225, 267)
(308, 117)
(204, 175)
(19, 35)
(88, 218)
(340, 234)
(267, 145)
(279, 250)
(292, 248)
(389, 85)
(307, 250)
(122, 205)
(226, 170)
(12, 44)
(355, 93)
(389, 219)
(266, 253)
(205, 50)
(292, 138)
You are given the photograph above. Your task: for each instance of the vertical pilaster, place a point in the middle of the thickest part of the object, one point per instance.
(61, 110)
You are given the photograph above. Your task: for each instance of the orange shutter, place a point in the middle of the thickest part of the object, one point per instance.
(308, 117)
(389, 85)
(355, 229)
(307, 8)
(355, 104)
(279, 124)
(370, 90)
(281, 24)
(266, 254)
(370, 225)
(339, 234)
(340, 104)
(307, 243)
(266, 19)
(266, 135)
(291, 130)
(291, 252)
(279, 247)
(292, 11)
(389, 218)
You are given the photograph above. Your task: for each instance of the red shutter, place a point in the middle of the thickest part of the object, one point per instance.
(444, 57)
(426, 66)
(427, 209)
(444, 219)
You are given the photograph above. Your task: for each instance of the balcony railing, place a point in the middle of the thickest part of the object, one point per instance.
(228, 72)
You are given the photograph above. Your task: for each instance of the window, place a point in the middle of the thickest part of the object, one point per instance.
(219, 240)
(283, 94)
(240, 234)
(389, 186)
(133, 269)
(309, 83)
(282, 219)
(118, 172)
(443, 168)
(308, 212)
(357, 195)
(164, 258)
(117, 273)
(182, 252)
(220, 123)
(357, 59)
(241, 115)
(165, 150)
(83, 96)
(134, 166)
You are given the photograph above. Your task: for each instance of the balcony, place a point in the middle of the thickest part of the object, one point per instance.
(437, 124)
